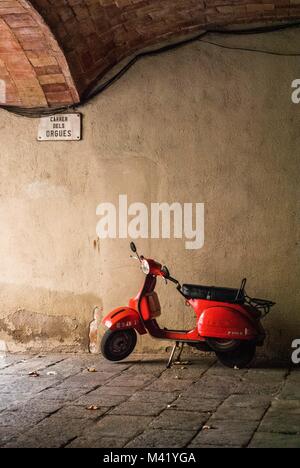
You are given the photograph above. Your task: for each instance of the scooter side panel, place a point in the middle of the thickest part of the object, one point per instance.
(226, 323)
(124, 318)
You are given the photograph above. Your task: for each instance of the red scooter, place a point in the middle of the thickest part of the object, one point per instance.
(228, 322)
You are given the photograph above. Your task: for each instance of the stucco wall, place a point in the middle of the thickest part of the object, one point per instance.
(201, 124)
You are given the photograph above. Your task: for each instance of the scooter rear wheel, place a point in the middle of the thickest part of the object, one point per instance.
(118, 345)
(222, 346)
(240, 357)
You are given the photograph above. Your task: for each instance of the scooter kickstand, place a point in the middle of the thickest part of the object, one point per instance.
(175, 347)
(169, 365)
(180, 352)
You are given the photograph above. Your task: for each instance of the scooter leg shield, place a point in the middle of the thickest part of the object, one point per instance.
(124, 318)
(226, 323)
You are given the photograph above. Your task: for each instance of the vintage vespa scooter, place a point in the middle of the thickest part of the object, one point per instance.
(228, 322)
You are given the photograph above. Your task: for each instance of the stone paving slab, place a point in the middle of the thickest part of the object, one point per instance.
(88, 380)
(37, 405)
(137, 408)
(169, 385)
(62, 394)
(93, 442)
(148, 396)
(163, 438)
(240, 402)
(184, 420)
(291, 390)
(281, 423)
(126, 426)
(136, 380)
(275, 440)
(200, 405)
(225, 433)
(236, 414)
(85, 401)
(94, 399)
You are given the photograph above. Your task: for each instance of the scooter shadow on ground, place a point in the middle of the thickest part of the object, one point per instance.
(258, 364)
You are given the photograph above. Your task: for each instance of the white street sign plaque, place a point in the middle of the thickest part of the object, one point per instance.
(60, 127)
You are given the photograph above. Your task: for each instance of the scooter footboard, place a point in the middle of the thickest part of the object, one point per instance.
(226, 323)
(124, 318)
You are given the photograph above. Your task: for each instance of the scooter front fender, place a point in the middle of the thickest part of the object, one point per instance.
(227, 323)
(124, 318)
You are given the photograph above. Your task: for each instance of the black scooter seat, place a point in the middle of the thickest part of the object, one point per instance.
(211, 293)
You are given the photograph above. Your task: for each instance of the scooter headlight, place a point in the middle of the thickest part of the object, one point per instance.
(145, 267)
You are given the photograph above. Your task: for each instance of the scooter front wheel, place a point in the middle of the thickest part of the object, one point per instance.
(240, 357)
(118, 345)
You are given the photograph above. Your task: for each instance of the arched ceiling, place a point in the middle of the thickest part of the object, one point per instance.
(52, 51)
(33, 69)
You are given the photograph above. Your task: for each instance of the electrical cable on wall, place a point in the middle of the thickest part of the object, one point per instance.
(248, 49)
(97, 88)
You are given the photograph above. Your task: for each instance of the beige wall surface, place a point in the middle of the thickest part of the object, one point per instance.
(201, 124)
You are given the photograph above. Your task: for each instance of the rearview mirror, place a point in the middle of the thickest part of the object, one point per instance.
(133, 247)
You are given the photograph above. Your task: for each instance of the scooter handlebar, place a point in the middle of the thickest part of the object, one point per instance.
(167, 276)
(173, 280)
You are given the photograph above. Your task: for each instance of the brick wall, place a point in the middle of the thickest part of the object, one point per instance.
(96, 34)
(32, 66)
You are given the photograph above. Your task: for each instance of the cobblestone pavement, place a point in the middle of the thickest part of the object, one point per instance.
(84, 401)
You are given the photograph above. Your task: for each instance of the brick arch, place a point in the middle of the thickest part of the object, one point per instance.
(33, 70)
(95, 35)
